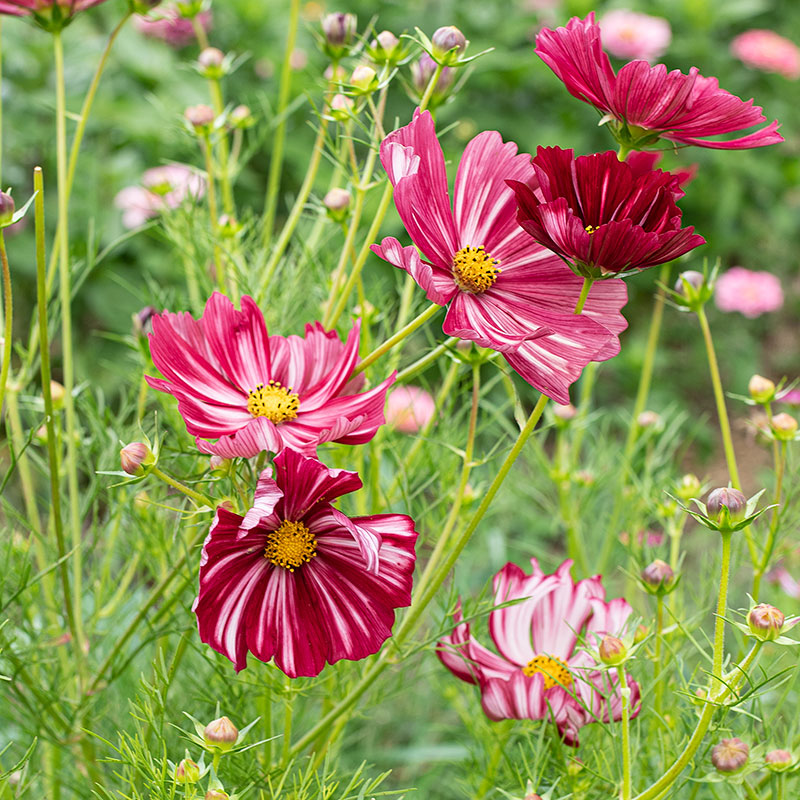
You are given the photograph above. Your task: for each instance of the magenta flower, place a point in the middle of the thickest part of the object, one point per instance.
(502, 290)
(409, 409)
(298, 581)
(629, 34)
(601, 214)
(644, 161)
(52, 15)
(769, 52)
(645, 103)
(167, 24)
(748, 292)
(542, 671)
(255, 392)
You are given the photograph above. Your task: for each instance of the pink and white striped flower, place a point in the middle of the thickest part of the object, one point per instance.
(298, 581)
(541, 671)
(254, 392)
(502, 290)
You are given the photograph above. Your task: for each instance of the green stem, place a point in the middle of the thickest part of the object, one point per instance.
(213, 214)
(276, 162)
(429, 89)
(659, 684)
(415, 323)
(780, 467)
(8, 309)
(426, 360)
(722, 607)
(224, 153)
(168, 479)
(626, 734)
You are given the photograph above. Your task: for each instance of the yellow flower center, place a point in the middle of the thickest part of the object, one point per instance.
(292, 545)
(590, 229)
(273, 401)
(555, 671)
(474, 269)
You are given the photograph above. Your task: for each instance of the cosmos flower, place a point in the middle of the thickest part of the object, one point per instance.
(502, 290)
(52, 15)
(409, 409)
(644, 103)
(601, 214)
(162, 188)
(540, 670)
(769, 52)
(167, 24)
(748, 292)
(629, 34)
(298, 581)
(254, 392)
(643, 161)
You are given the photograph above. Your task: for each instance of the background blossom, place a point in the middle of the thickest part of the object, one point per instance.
(748, 292)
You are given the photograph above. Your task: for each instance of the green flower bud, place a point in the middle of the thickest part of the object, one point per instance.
(762, 390)
(612, 651)
(778, 760)
(730, 756)
(221, 734)
(765, 622)
(784, 426)
(187, 771)
(7, 209)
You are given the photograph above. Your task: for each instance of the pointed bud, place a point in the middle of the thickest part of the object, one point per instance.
(7, 209)
(784, 426)
(778, 760)
(211, 61)
(187, 771)
(726, 501)
(143, 321)
(447, 39)
(337, 200)
(241, 117)
(730, 755)
(762, 390)
(612, 651)
(648, 419)
(765, 622)
(386, 48)
(364, 79)
(339, 29)
(341, 107)
(134, 457)
(695, 279)
(221, 734)
(201, 117)
(688, 487)
(658, 576)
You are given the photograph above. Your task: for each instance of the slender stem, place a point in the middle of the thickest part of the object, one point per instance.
(200, 33)
(780, 467)
(429, 89)
(426, 360)
(213, 214)
(415, 323)
(659, 684)
(8, 309)
(287, 725)
(276, 162)
(626, 733)
(780, 787)
(215, 89)
(587, 285)
(722, 607)
(168, 479)
(1, 97)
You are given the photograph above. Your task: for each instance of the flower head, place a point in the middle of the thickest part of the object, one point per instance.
(629, 34)
(748, 292)
(602, 215)
(162, 188)
(409, 409)
(52, 15)
(768, 51)
(502, 290)
(646, 103)
(298, 581)
(256, 392)
(167, 24)
(540, 670)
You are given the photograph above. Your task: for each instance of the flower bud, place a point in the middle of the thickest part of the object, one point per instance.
(57, 393)
(7, 209)
(241, 117)
(612, 651)
(341, 107)
(447, 39)
(134, 457)
(726, 501)
(695, 279)
(339, 29)
(688, 487)
(143, 321)
(335, 73)
(228, 226)
(187, 771)
(201, 117)
(364, 79)
(658, 575)
(778, 760)
(337, 200)
(730, 755)
(218, 465)
(584, 477)
(648, 419)
(784, 426)
(386, 48)
(217, 794)
(641, 634)
(765, 622)
(422, 72)
(221, 734)
(211, 61)
(565, 413)
(189, 9)
(761, 389)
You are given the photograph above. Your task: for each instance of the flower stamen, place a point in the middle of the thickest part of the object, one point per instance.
(290, 546)
(474, 270)
(273, 401)
(590, 229)
(555, 671)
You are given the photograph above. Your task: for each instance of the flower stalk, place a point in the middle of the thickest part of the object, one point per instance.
(626, 733)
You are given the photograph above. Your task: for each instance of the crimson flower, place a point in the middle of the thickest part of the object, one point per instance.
(541, 671)
(298, 581)
(52, 15)
(255, 392)
(502, 290)
(601, 214)
(644, 102)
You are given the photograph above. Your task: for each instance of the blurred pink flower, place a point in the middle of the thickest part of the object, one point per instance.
(52, 15)
(168, 25)
(162, 188)
(409, 409)
(789, 396)
(781, 576)
(748, 292)
(769, 52)
(628, 34)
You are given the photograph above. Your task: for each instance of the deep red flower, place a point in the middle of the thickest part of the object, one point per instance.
(298, 581)
(646, 102)
(52, 15)
(256, 392)
(541, 670)
(502, 290)
(602, 215)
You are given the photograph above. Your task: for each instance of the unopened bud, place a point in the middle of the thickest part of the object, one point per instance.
(341, 107)
(778, 760)
(731, 499)
(695, 279)
(216, 794)
(658, 575)
(134, 457)
(7, 209)
(211, 60)
(339, 29)
(565, 412)
(386, 47)
(335, 73)
(337, 200)
(447, 39)
(364, 79)
(422, 72)
(612, 651)
(143, 321)
(648, 419)
(688, 487)
(57, 393)
(241, 117)
(221, 734)
(761, 389)
(784, 426)
(641, 634)
(199, 117)
(187, 771)
(730, 755)
(766, 622)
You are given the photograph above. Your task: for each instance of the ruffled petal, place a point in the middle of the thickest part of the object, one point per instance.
(437, 282)
(267, 495)
(258, 435)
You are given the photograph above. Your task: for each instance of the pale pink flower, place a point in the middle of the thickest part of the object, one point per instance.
(769, 52)
(162, 188)
(167, 24)
(629, 34)
(748, 292)
(409, 409)
(781, 576)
